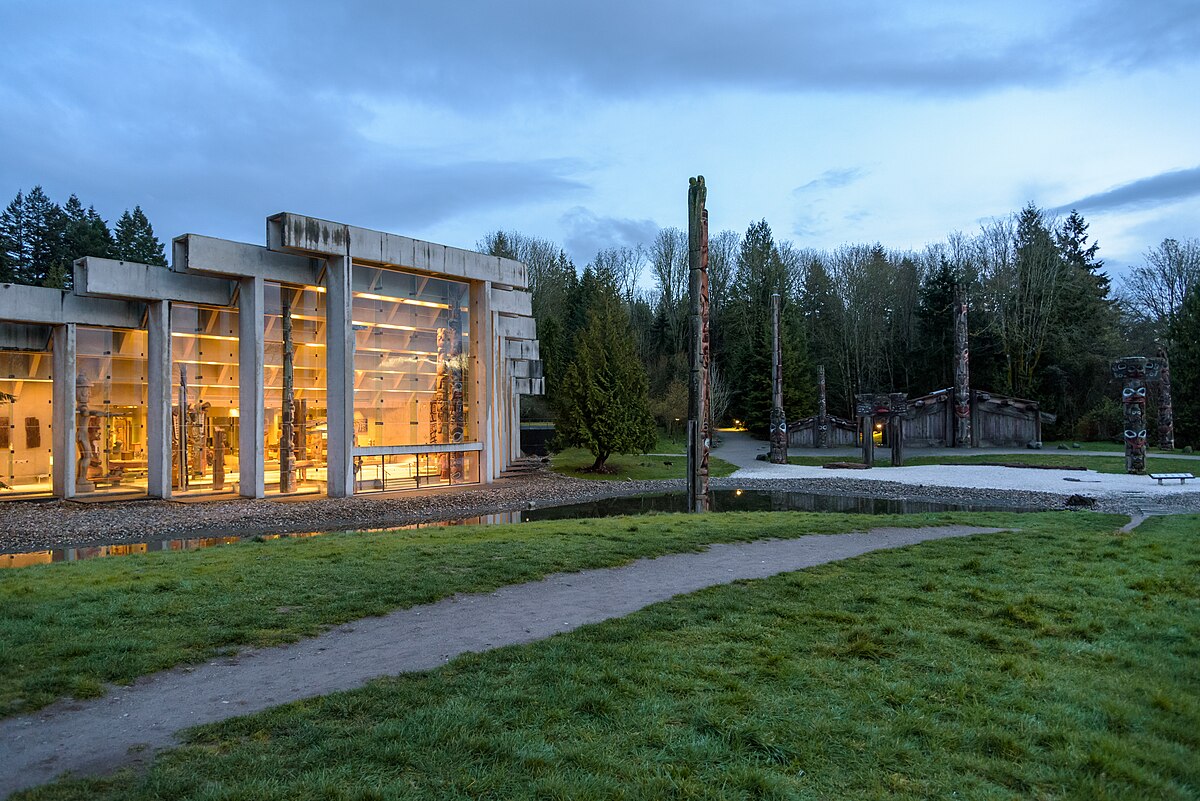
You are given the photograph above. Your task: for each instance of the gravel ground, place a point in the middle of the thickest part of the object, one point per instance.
(27, 526)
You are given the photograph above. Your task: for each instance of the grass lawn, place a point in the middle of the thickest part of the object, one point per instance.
(1101, 464)
(634, 466)
(70, 627)
(1057, 662)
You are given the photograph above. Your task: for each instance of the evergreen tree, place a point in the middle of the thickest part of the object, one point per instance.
(135, 239)
(935, 328)
(47, 229)
(14, 242)
(87, 232)
(1185, 369)
(602, 404)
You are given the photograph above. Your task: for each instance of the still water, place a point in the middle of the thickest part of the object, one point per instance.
(722, 501)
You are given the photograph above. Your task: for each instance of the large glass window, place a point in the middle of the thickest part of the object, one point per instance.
(110, 410)
(25, 413)
(204, 399)
(412, 349)
(296, 430)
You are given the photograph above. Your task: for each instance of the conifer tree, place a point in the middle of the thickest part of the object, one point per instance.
(602, 403)
(135, 239)
(1185, 368)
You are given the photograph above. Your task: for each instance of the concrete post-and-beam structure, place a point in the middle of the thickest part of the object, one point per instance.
(212, 279)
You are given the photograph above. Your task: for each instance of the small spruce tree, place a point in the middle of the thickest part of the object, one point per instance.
(602, 403)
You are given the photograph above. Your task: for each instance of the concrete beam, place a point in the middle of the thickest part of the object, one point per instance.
(529, 386)
(62, 433)
(339, 371)
(481, 376)
(158, 399)
(205, 254)
(516, 327)
(513, 302)
(131, 280)
(251, 335)
(522, 349)
(35, 304)
(295, 232)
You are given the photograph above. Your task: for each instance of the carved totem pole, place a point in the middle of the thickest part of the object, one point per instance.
(962, 372)
(699, 400)
(821, 437)
(287, 459)
(778, 419)
(446, 407)
(1135, 371)
(1166, 415)
(891, 410)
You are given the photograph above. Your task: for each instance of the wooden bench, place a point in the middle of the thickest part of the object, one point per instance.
(1160, 477)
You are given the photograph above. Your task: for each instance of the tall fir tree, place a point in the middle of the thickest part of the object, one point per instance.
(602, 403)
(135, 239)
(14, 241)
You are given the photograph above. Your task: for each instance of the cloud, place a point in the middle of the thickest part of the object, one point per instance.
(1155, 190)
(589, 233)
(834, 178)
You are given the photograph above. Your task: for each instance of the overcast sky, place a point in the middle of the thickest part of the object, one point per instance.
(838, 122)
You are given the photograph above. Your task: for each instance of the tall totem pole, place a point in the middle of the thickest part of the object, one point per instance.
(778, 420)
(1135, 371)
(821, 440)
(699, 400)
(962, 371)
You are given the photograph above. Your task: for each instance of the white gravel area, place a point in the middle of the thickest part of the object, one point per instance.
(1058, 482)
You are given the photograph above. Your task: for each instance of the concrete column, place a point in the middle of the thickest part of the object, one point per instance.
(158, 399)
(62, 435)
(482, 358)
(251, 333)
(339, 368)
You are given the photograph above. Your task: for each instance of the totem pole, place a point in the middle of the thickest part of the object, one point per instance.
(778, 419)
(456, 389)
(962, 372)
(287, 461)
(897, 407)
(821, 438)
(1135, 371)
(864, 410)
(184, 473)
(1166, 416)
(218, 477)
(699, 400)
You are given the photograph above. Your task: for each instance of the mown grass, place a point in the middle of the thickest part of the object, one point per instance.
(69, 628)
(1057, 662)
(1101, 464)
(636, 467)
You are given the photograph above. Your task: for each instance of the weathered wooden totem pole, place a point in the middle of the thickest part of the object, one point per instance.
(821, 438)
(891, 410)
(699, 399)
(287, 436)
(1135, 371)
(962, 372)
(1166, 415)
(778, 419)
(446, 407)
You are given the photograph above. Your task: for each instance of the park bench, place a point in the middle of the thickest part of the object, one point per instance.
(1181, 476)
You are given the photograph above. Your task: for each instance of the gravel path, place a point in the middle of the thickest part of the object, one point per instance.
(126, 726)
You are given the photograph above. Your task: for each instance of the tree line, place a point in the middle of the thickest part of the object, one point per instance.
(1045, 319)
(40, 240)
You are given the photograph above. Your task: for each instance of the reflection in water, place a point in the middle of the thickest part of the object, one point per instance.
(722, 501)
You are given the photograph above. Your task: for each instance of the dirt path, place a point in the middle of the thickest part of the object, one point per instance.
(128, 725)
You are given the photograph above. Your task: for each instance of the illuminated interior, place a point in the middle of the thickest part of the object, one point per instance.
(204, 382)
(110, 416)
(411, 358)
(302, 468)
(25, 416)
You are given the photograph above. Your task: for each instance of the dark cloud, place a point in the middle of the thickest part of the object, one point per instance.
(588, 233)
(833, 179)
(1156, 190)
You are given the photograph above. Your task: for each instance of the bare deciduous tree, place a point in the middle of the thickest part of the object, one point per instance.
(1154, 291)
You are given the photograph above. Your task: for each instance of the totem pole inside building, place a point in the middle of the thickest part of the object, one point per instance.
(778, 420)
(446, 407)
(699, 400)
(1135, 371)
(962, 372)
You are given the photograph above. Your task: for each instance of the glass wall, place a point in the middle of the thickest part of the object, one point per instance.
(25, 416)
(295, 422)
(204, 399)
(411, 358)
(110, 417)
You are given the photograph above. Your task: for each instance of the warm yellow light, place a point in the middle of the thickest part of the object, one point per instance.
(218, 337)
(410, 301)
